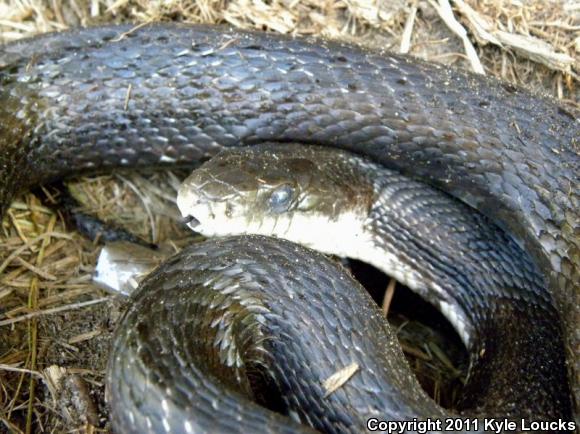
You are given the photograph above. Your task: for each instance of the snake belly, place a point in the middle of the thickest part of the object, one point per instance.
(101, 98)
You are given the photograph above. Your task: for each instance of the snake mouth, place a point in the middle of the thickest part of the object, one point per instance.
(191, 221)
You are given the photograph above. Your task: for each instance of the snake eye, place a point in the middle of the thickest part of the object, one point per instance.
(281, 198)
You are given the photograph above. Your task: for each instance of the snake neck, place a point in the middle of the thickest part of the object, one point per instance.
(487, 287)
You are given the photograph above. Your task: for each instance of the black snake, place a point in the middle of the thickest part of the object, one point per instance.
(100, 98)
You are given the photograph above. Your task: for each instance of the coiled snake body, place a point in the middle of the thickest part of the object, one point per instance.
(99, 98)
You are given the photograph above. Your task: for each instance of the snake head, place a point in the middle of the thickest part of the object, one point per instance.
(284, 190)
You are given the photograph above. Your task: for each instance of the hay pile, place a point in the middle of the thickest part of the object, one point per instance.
(55, 325)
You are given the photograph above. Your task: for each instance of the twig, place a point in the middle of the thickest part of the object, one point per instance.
(485, 31)
(4, 367)
(389, 293)
(408, 30)
(127, 97)
(128, 32)
(35, 269)
(444, 10)
(53, 310)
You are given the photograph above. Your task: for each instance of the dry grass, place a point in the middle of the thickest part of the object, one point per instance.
(46, 316)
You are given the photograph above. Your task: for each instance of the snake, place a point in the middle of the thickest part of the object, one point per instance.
(342, 204)
(114, 97)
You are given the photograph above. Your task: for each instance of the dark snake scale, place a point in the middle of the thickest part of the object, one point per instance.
(95, 99)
